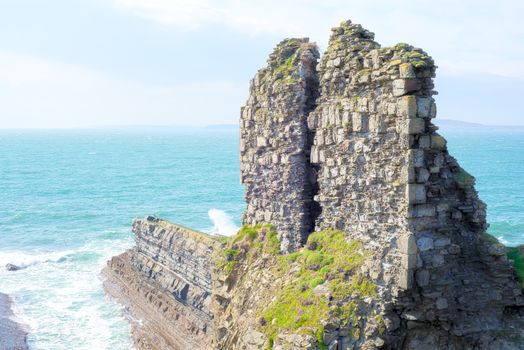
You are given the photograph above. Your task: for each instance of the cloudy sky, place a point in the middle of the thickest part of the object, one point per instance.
(82, 63)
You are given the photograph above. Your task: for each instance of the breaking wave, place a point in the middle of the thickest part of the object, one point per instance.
(223, 223)
(24, 260)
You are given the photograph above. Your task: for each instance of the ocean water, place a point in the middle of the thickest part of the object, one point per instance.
(67, 199)
(495, 156)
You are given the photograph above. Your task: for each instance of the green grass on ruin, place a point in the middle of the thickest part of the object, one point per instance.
(515, 255)
(328, 259)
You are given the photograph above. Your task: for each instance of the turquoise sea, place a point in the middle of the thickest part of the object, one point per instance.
(67, 198)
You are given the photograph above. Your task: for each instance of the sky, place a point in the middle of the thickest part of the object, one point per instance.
(91, 63)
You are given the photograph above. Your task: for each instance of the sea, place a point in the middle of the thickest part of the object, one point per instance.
(68, 197)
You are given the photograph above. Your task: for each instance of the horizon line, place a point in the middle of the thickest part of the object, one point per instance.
(136, 126)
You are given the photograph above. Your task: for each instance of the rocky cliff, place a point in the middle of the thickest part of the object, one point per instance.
(362, 232)
(165, 284)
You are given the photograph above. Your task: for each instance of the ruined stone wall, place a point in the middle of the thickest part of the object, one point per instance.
(274, 144)
(165, 282)
(385, 178)
(382, 174)
(361, 140)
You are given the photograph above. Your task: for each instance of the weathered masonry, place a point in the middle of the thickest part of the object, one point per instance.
(365, 158)
(275, 142)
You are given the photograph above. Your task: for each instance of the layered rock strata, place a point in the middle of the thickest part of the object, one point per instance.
(165, 284)
(275, 142)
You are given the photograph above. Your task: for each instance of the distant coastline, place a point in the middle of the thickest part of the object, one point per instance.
(451, 124)
(442, 123)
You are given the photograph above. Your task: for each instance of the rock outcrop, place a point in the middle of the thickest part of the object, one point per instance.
(165, 284)
(13, 336)
(346, 147)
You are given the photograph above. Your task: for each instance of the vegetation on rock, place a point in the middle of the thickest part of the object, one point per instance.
(464, 178)
(515, 255)
(319, 283)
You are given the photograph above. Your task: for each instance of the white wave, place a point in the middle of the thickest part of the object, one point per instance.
(24, 260)
(503, 241)
(223, 223)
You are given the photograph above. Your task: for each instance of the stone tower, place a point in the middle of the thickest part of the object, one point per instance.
(355, 150)
(275, 142)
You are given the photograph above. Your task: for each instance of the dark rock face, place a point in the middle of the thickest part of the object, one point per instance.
(13, 336)
(165, 282)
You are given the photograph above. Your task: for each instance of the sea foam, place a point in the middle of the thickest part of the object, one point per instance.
(223, 223)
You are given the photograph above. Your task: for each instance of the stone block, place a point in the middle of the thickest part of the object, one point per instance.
(392, 108)
(405, 86)
(442, 242)
(360, 122)
(416, 193)
(438, 142)
(408, 174)
(424, 141)
(408, 261)
(407, 71)
(362, 105)
(441, 303)
(425, 243)
(407, 244)
(424, 106)
(416, 126)
(423, 175)
(377, 124)
(433, 110)
(416, 158)
(437, 260)
(407, 107)
(424, 210)
(405, 278)
(262, 141)
(422, 277)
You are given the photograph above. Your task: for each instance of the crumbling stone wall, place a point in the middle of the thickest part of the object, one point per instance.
(381, 173)
(275, 144)
(361, 144)
(386, 178)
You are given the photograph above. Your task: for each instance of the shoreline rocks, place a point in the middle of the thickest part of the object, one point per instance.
(13, 336)
(12, 267)
(164, 283)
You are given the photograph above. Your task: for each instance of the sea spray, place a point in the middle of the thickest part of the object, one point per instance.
(24, 260)
(223, 223)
